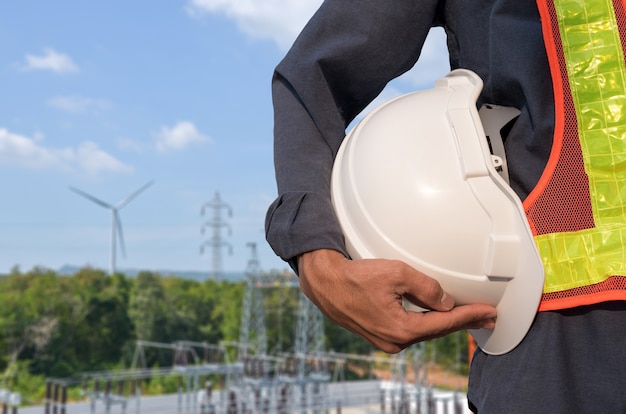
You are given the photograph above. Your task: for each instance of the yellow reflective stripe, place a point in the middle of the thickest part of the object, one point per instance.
(582, 258)
(595, 67)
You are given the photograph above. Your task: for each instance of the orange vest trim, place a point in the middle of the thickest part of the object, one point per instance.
(574, 226)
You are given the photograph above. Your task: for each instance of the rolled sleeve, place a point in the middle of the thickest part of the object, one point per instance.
(299, 222)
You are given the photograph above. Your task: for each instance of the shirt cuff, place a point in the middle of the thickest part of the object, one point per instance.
(299, 222)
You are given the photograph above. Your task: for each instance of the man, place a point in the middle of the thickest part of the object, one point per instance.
(561, 63)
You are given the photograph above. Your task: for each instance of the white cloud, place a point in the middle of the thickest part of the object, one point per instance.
(277, 20)
(94, 160)
(282, 20)
(179, 137)
(77, 104)
(51, 60)
(21, 151)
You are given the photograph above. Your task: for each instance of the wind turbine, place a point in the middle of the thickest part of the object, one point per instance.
(116, 223)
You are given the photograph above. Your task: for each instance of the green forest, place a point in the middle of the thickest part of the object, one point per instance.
(56, 326)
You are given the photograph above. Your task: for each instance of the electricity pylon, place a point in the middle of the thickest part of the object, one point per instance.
(252, 335)
(216, 243)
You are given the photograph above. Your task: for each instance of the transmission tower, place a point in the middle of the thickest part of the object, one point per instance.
(216, 223)
(309, 334)
(253, 334)
(310, 351)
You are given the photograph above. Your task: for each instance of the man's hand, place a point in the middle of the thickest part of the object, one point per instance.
(365, 296)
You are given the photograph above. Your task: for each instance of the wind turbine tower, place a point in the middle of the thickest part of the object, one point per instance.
(216, 242)
(116, 222)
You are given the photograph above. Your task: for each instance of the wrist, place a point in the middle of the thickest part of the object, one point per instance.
(320, 258)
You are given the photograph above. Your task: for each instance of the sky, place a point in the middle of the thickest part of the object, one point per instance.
(106, 97)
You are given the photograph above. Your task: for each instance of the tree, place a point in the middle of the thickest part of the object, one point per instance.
(147, 308)
(103, 326)
(34, 307)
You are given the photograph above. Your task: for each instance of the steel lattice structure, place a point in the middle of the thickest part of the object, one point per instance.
(216, 223)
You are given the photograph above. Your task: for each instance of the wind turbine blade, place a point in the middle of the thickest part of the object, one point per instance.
(120, 233)
(133, 195)
(92, 198)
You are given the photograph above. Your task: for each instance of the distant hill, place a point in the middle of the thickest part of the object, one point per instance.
(185, 274)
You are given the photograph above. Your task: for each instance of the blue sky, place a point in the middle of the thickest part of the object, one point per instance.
(107, 96)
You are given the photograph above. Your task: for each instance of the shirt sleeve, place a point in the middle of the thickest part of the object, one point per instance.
(341, 61)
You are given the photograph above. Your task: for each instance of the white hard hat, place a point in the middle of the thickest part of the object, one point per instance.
(415, 180)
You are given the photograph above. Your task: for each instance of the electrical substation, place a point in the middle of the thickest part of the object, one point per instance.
(245, 377)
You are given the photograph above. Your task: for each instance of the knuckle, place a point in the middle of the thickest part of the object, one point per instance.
(428, 286)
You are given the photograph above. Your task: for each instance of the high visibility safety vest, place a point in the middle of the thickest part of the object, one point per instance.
(577, 211)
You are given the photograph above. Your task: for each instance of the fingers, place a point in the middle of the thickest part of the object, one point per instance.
(418, 288)
(365, 296)
(423, 326)
(477, 316)
(423, 290)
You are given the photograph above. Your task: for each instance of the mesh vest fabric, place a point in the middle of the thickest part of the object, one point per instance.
(578, 210)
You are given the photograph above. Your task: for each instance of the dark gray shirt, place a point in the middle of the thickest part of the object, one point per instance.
(346, 56)
(341, 61)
